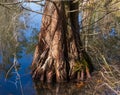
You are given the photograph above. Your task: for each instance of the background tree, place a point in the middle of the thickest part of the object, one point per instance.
(100, 26)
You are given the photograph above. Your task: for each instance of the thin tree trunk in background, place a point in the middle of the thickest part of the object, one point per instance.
(59, 55)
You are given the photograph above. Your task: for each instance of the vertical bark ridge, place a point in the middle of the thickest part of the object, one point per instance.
(59, 49)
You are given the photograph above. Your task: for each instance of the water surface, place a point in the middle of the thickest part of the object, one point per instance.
(18, 42)
(27, 38)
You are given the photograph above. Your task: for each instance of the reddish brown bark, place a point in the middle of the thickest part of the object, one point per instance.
(59, 48)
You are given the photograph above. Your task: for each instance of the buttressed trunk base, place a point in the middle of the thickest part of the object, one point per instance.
(59, 55)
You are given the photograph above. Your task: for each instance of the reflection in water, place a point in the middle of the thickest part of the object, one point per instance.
(18, 36)
(59, 89)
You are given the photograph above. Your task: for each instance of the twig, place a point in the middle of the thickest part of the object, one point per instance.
(106, 78)
(106, 84)
(37, 12)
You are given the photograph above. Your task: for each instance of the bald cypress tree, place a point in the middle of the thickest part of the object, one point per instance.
(59, 55)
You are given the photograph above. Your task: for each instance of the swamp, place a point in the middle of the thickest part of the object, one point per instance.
(45, 47)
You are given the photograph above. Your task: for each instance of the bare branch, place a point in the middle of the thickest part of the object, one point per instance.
(37, 12)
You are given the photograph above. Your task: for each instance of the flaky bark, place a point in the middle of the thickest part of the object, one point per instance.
(59, 51)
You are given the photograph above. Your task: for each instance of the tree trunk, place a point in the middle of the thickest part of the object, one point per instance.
(59, 55)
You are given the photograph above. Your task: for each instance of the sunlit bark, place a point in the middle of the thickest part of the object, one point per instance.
(59, 52)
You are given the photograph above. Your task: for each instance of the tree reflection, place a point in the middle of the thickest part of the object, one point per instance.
(8, 36)
(58, 89)
(15, 24)
(14, 40)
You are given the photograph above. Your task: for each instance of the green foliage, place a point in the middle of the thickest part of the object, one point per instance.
(80, 65)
